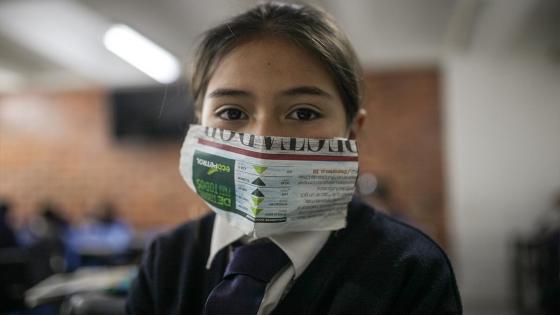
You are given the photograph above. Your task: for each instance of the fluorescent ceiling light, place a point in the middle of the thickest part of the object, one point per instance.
(142, 53)
(70, 44)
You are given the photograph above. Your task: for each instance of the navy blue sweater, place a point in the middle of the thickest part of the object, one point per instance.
(376, 265)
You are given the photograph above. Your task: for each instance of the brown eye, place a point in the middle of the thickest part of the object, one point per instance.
(231, 114)
(304, 114)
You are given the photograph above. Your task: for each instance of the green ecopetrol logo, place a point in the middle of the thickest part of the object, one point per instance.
(213, 178)
(213, 167)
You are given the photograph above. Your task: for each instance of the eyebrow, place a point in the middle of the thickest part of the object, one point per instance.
(225, 92)
(295, 91)
(305, 90)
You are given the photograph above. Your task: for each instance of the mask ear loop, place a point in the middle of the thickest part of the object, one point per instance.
(349, 131)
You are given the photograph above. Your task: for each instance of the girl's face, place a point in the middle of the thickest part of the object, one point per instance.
(272, 87)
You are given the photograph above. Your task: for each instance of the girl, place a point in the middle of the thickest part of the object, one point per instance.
(284, 70)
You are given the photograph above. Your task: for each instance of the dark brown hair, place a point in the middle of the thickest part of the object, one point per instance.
(304, 25)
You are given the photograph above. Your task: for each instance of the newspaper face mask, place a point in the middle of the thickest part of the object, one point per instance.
(270, 185)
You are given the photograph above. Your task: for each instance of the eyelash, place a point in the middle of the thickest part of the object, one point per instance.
(230, 110)
(315, 114)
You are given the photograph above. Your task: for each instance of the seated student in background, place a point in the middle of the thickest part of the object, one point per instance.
(284, 70)
(7, 234)
(104, 232)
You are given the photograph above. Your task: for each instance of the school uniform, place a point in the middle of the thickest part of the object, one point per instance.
(375, 265)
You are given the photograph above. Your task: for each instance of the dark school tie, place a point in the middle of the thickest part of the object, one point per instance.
(242, 288)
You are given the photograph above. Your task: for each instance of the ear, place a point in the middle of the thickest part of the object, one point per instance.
(358, 124)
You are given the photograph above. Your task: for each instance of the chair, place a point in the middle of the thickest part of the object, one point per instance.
(93, 303)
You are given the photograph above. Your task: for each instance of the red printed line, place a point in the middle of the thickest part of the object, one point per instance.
(272, 156)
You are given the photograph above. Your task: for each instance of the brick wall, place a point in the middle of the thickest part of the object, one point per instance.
(58, 146)
(402, 144)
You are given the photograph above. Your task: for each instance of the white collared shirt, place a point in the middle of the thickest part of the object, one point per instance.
(300, 247)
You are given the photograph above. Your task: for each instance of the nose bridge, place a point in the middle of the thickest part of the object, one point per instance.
(265, 124)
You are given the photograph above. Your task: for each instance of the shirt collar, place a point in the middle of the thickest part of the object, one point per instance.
(300, 247)
(223, 234)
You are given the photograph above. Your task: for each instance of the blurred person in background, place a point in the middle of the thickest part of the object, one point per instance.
(537, 265)
(548, 270)
(42, 252)
(103, 238)
(7, 235)
(46, 236)
(12, 262)
(288, 70)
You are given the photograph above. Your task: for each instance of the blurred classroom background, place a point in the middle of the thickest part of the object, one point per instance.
(461, 139)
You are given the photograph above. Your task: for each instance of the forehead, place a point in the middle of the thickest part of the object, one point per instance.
(270, 63)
